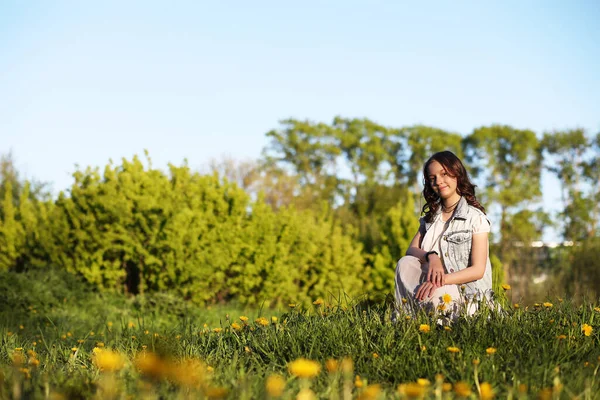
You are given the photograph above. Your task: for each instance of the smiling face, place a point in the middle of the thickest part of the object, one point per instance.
(441, 181)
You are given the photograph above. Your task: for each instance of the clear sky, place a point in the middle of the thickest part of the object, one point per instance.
(85, 81)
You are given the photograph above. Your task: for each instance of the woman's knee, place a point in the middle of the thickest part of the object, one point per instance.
(407, 262)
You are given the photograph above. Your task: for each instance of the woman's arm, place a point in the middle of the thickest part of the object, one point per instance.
(479, 254)
(414, 249)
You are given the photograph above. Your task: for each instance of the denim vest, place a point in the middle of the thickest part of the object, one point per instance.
(455, 244)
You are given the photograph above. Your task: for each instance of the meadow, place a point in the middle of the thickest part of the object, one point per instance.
(61, 339)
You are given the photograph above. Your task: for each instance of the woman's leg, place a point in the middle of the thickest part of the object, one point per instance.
(408, 278)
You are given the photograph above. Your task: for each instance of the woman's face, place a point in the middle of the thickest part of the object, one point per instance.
(441, 182)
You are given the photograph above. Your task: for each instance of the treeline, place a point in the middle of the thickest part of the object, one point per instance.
(328, 208)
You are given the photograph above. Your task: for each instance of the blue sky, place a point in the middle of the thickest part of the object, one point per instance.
(83, 82)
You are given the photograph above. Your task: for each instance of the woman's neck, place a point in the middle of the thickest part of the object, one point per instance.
(451, 202)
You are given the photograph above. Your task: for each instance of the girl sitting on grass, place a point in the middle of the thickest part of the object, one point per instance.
(447, 264)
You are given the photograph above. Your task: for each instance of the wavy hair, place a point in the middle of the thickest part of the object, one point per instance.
(464, 187)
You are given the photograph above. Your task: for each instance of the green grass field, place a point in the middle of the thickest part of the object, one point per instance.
(60, 339)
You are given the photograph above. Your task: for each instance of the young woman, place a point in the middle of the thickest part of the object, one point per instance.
(447, 261)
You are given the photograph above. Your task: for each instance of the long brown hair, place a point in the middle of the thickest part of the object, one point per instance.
(455, 168)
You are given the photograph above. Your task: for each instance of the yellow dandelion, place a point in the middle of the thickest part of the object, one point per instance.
(597, 309)
(131, 325)
(447, 328)
(486, 391)
(404, 300)
(561, 337)
(292, 305)
(462, 389)
(516, 305)
(453, 349)
(306, 394)
(275, 385)
(424, 328)
(476, 361)
(547, 304)
(236, 326)
(97, 350)
(21, 327)
(108, 360)
(304, 368)
(318, 302)
(407, 317)
(375, 355)
(74, 349)
(247, 349)
(446, 387)
(358, 383)
(411, 390)
(490, 350)
(423, 382)
(506, 286)
(262, 321)
(371, 392)
(586, 329)
(274, 320)
(441, 307)
(331, 365)
(217, 330)
(447, 298)
(347, 366)
(243, 318)
(18, 349)
(423, 348)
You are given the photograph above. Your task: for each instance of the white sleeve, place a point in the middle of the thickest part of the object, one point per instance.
(481, 224)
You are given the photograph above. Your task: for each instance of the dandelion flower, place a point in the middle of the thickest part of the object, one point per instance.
(274, 320)
(597, 309)
(407, 317)
(447, 328)
(375, 355)
(447, 298)
(453, 349)
(108, 360)
(586, 329)
(304, 368)
(262, 321)
(441, 307)
(371, 392)
(506, 286)
(243, 318)
(476, 361)
(423, 382)
(516, 305)
(490, 350)
(306, 394)
(487, 392)
(217, 330)
(275, 385)
(331, 365)
(411, 390)
(547, 304)
(404, 301)
(561, 337)
(358, 383)
(446, 387)
(424, 328)
(292, 305)
(462, 389)
(236, 326)
(318, 302)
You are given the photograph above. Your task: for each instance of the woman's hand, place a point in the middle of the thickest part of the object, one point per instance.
(436, 273)
(425, 291)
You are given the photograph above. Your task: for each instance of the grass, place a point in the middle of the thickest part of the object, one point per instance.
(57, 337)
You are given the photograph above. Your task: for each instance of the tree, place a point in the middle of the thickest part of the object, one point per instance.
(565, 153)
(508, 162)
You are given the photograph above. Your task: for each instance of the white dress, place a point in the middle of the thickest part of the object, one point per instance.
(411, 273)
